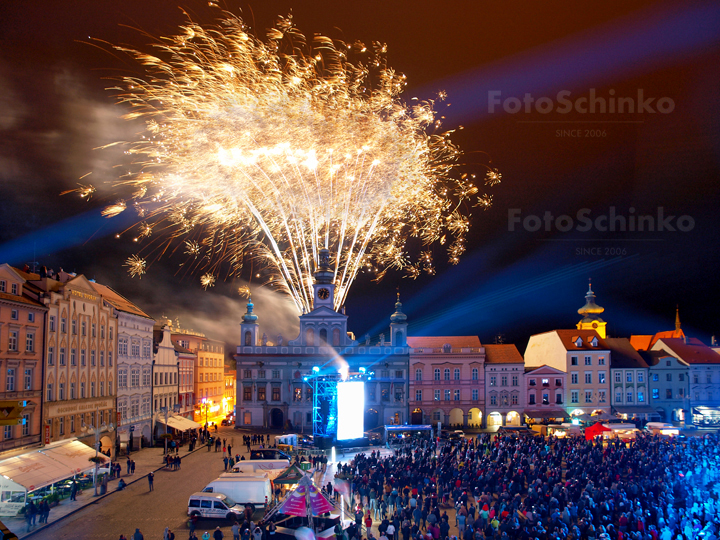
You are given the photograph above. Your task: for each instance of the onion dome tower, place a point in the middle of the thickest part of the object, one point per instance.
(591, 315)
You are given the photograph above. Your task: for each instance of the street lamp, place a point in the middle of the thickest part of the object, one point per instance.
(97, 431)
(206, 404)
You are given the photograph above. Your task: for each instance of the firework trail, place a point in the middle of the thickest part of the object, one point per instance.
(275, 149)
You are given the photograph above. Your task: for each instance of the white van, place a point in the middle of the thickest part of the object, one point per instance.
(214, 505)
(253, 491)
(272, 467)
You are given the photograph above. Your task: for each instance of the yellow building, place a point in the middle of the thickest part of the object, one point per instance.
(229, 394)
(209, 380)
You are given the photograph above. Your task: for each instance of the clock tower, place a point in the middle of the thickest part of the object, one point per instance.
(324, 288)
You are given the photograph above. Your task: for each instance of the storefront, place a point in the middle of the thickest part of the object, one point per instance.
(42, 473)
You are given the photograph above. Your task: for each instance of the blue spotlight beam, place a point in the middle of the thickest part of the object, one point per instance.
(65, 234)
(635, 45)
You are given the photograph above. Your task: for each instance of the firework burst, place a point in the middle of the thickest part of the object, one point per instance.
(276, 149)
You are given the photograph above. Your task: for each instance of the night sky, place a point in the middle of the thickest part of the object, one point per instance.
(517, 277)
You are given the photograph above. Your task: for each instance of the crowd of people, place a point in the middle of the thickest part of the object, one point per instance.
(537, 488)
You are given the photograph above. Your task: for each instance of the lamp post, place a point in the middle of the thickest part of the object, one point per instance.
(165, 410)
(97, 431)
(206, 404)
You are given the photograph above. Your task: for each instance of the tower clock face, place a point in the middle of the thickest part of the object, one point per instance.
(323, 294)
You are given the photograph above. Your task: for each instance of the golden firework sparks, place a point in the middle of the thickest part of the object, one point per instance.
(207, 280)
(244, 291)
(136, 266)
(276, 149)
(85, 192)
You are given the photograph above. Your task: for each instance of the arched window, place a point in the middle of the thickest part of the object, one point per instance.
(310, 337)
(323, 336)
(248, 337)
(336, 337)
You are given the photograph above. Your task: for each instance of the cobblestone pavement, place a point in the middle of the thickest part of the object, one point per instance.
(121, 512)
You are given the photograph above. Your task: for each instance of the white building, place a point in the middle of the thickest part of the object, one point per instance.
(134, 369)
(165, 378)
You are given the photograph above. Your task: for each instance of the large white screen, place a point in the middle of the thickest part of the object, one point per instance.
(351, 410)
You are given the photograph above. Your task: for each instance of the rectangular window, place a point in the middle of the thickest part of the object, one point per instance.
(474, 394)
(588, 396)
(10, 381)
(13, 341)
(573, 360)
(437, 395)
(588, 377)
(456, 395)
(474, 374)
(588, 360)
(418, 374)
(573, 378)
(30, 342)
(418, 395)
(574, 396)
(276, 393)
(27, 382)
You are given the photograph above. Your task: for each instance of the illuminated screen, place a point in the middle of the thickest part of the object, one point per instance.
(351, 410)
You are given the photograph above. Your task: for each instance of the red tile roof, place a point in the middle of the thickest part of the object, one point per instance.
(623, 354)
(118, 301)
(691, 350)
(436, 342)
(568, 338)
(502, 354)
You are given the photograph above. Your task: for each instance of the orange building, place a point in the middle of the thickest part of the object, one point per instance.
(22, 334)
